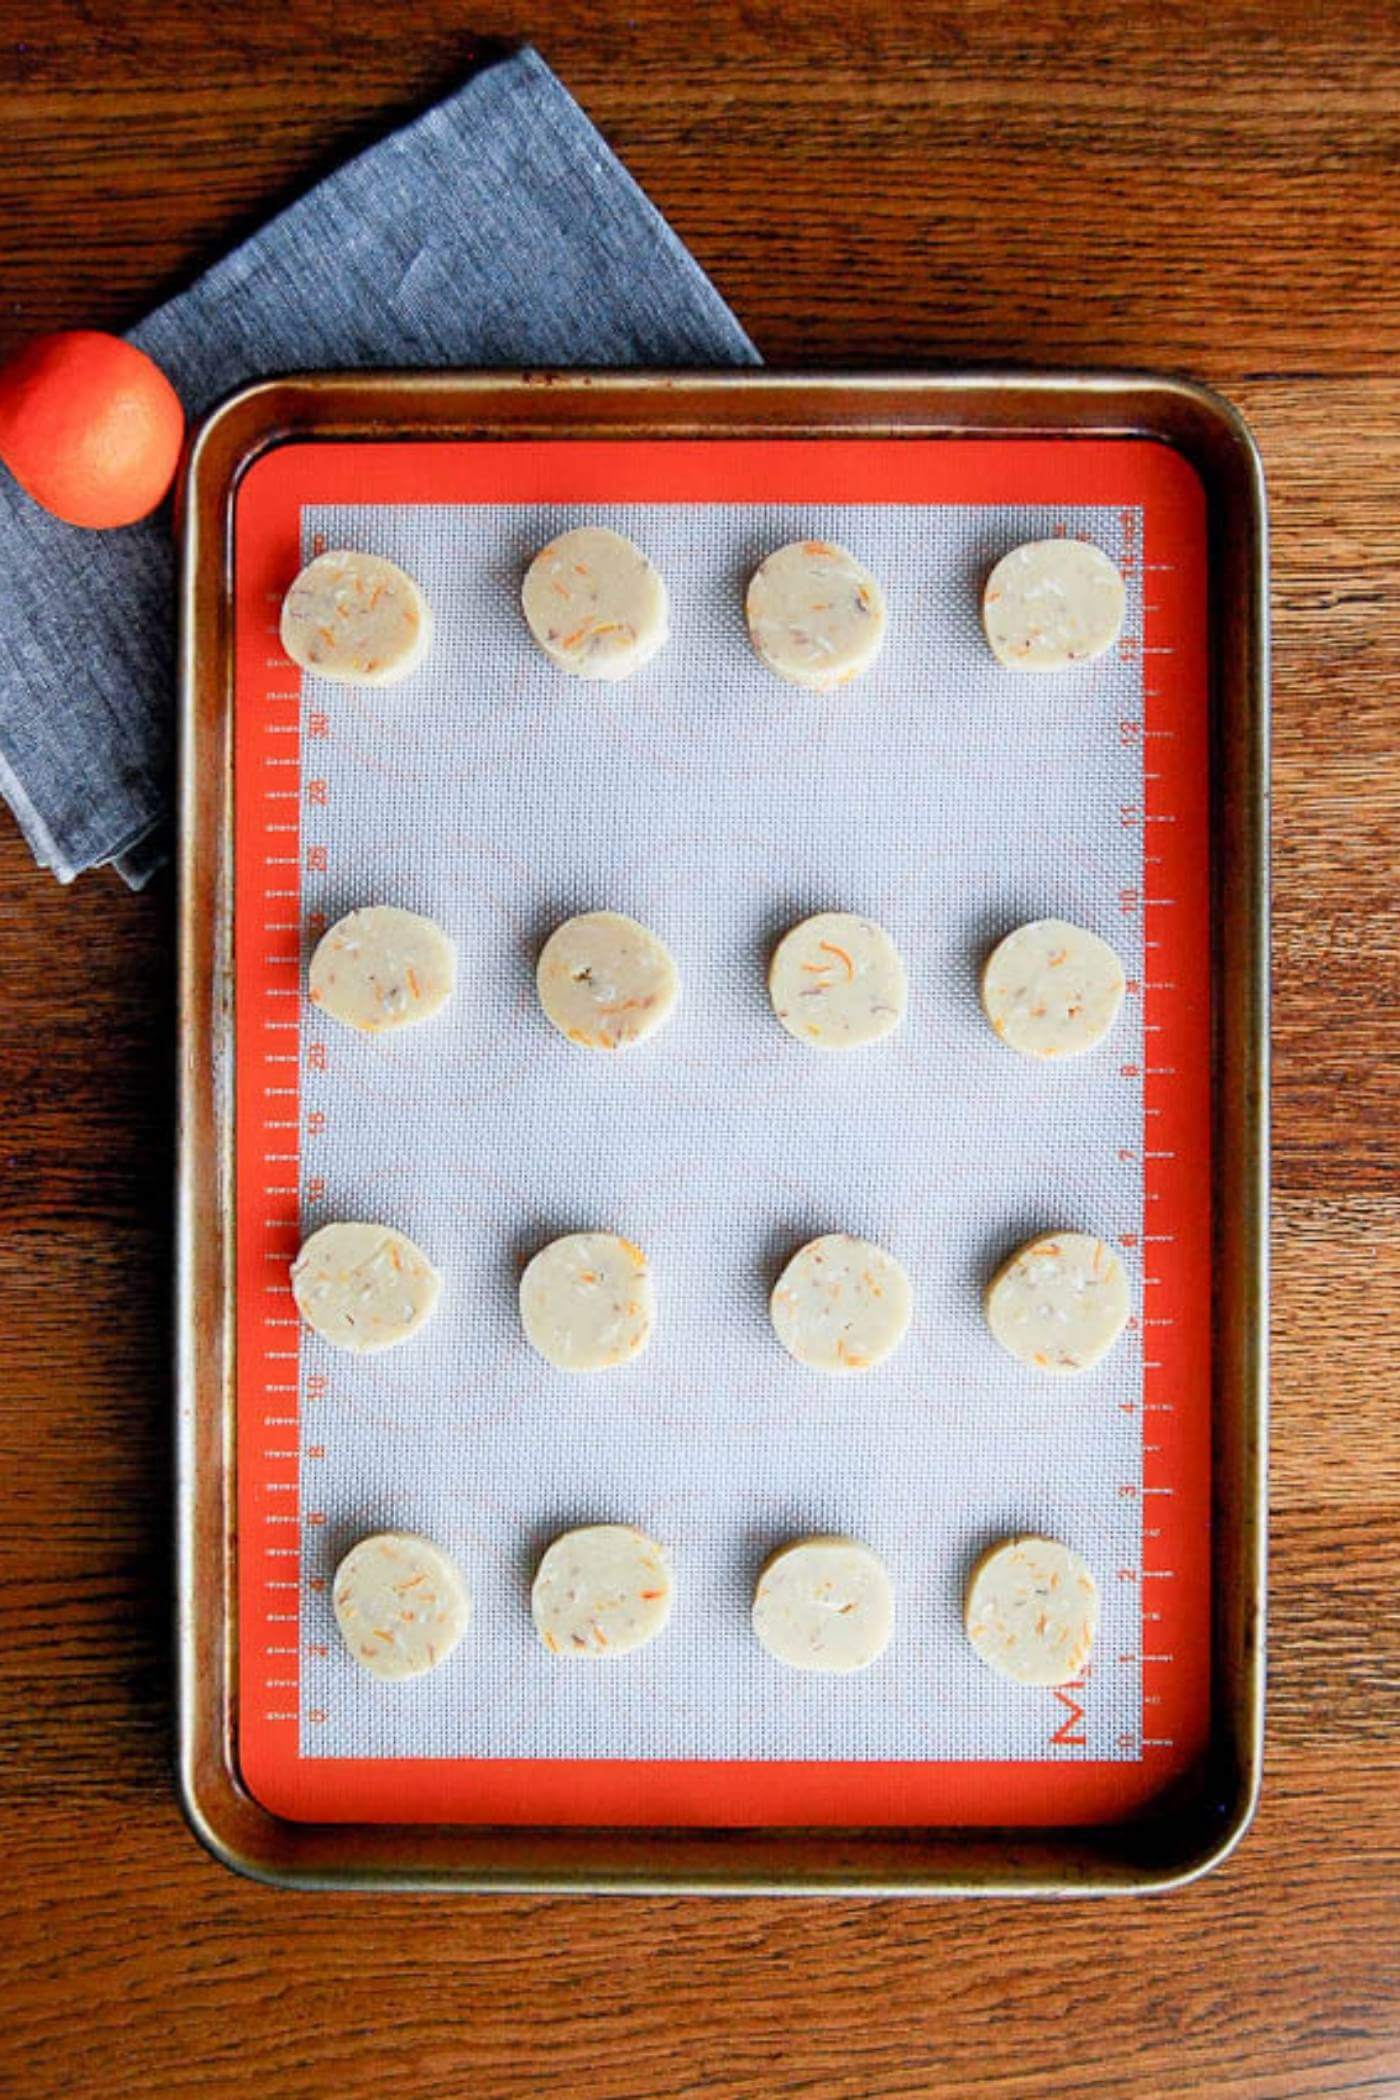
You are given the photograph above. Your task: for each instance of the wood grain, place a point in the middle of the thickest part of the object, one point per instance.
(1175, 186)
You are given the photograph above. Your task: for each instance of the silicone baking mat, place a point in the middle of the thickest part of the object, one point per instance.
(944, 797)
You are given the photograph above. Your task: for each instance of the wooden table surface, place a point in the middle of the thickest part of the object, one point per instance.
(870, 182)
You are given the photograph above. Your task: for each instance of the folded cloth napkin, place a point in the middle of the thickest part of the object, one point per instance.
(496, 230)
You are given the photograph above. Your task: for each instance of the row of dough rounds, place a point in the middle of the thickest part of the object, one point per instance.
(1030, 1606)
(841, 1305)
(836, 980)
(598, 608)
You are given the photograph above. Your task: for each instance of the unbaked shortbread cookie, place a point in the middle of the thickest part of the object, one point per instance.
(600, 1591)
(356, 618)
(595, 604)
(400, 1603)
(1032, 1610)
(382, 968)
(824, 1604)
(586, 1301)
(837, 980)
(816, 617)
(1051, 989)
(363, 1287)
(605, 982)
(1060, 1303)
(1052, 603)
(841, 1304)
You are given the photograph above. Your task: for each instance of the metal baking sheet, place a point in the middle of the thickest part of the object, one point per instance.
(354, 435)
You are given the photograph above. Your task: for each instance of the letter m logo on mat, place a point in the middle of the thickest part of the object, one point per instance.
(1070, 1733)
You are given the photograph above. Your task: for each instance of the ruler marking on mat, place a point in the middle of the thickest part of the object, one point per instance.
(269, 874)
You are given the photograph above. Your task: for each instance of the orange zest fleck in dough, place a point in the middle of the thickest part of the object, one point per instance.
(832, 949)
(592, 631)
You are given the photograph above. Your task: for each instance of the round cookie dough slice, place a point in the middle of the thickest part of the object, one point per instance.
(382, 968)
(400, 1603)
(606, 982)
(363, 1287)
(841, 1304)
(816, 617)
(837, 980)
(601, 1590)
(1031, 1610)
(356, 618)
(1060, 1303)
(595, 604)
(1052, 603)
(824, 1604)
(1051, 989)
(586, 1301)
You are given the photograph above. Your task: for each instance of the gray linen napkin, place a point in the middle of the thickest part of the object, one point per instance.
(496, 230)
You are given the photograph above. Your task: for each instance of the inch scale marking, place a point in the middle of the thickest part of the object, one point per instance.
(1174, 910)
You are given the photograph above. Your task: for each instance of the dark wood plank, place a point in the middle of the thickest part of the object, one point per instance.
(1187, 185)
(1180, 185)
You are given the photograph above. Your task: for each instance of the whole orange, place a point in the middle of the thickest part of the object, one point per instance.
(90, 427)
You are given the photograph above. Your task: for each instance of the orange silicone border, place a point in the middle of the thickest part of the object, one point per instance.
(1175, 1573)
